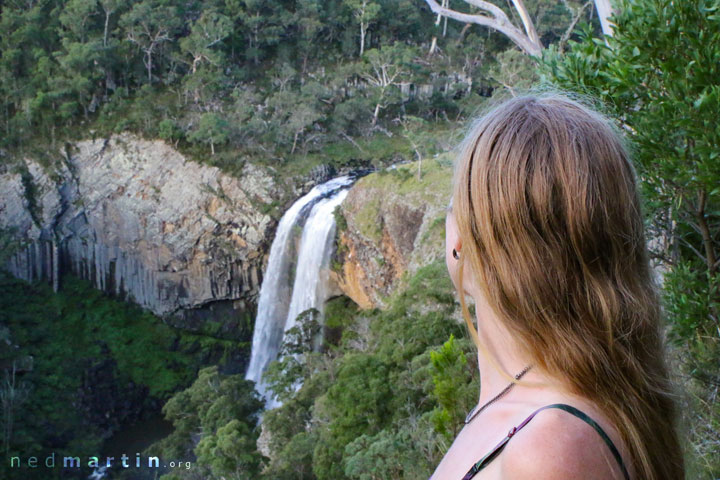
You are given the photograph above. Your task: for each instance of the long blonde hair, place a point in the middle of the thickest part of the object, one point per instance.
(546, 201)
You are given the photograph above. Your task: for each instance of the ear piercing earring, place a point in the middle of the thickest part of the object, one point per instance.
(455, 254)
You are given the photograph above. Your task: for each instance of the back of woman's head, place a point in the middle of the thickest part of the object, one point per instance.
(547, 204)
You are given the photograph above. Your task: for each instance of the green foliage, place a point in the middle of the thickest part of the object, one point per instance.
(282, 79)
(364, 13)
(143, 112)
(340, 220)
(66, 334)
(357, 402)
(169, 130)
(368, 220)
(231, 451)
(293, 365)
(366, 400)
(148, 25)
(202, 43)
(290, 114)
(290, 423)
(262, 25)
(340, 314)
(691, 297)
(385, 68)
(212, 129)
(388, 454)
(514, 70)
(224, 409)
(451, 387)
(350, 114)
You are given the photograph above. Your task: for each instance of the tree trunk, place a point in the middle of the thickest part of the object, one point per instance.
(527, 22)
(437, 24)
(463, 32)
(149, 65)
(433, 45)
(294, 142)
(55, 266)
(362, 38)
(604, 10)
(107, 20)
(705, 232)
(571, 27)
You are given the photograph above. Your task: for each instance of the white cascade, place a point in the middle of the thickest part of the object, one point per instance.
(312, 277)
(279, 304)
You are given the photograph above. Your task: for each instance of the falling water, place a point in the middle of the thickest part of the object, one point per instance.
(311, 279)
(279, 305)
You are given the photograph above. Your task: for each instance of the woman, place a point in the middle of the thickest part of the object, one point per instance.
(545, 232)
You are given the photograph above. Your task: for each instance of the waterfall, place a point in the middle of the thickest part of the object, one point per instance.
(279, 304)
(311, 279)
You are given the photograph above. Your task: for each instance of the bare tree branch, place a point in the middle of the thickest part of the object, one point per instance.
(497, 21)
(527, 22)
(604, 10)
(496, 11)
(571, 27)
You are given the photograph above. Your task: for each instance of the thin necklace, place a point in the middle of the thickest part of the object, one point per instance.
(472, 414)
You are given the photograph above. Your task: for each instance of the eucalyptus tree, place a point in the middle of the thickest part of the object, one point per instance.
(365, 12)
(149, 25)
(209, 30)
(386, 67)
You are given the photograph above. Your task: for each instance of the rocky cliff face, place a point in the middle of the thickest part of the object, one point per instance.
(395, 224)
(190, 243)
(137, 219)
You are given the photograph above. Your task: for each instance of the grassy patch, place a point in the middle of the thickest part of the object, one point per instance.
(423, 180)
(367, 220)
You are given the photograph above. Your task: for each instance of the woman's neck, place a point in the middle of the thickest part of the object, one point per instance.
(505, 350)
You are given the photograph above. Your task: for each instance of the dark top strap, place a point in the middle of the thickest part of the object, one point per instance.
(568, 408)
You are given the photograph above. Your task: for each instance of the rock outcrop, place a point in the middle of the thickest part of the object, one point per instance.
(395, 223)
(139, 220)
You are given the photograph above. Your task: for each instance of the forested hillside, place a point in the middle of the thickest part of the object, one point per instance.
(231, 80)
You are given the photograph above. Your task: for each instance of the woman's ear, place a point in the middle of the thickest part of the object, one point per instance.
(454, 242)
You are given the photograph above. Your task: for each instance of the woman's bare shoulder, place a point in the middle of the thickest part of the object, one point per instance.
(558, 445)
